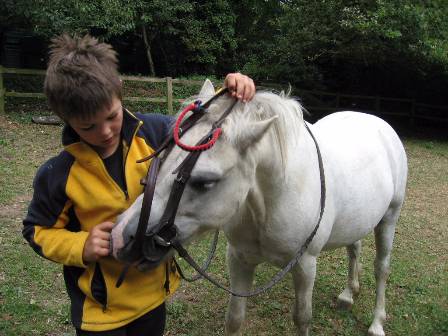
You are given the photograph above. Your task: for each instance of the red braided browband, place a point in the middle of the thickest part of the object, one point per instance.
(201, 148)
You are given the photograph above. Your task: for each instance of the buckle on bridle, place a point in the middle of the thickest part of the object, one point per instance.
(162, 242)
(172, 232)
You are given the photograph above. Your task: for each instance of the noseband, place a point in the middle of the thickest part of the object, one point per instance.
(164, 234)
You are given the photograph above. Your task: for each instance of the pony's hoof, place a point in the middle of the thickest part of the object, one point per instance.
(344, 301)
(378, 331)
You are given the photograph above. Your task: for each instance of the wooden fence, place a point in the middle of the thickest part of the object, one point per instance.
(168, 80)
(409, 108)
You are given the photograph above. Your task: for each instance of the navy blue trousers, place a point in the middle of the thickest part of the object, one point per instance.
(150, 324)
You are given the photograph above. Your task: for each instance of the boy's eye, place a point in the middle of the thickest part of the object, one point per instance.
(87, 128)
(113, 117)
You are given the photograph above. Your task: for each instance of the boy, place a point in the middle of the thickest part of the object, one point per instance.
(79, 194)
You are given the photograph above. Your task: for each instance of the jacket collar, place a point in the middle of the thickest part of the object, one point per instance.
(81, 150)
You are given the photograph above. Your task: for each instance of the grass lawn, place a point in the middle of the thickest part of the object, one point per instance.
(33, 298)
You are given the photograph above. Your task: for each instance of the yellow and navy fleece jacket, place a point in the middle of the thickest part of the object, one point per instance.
(73, 192)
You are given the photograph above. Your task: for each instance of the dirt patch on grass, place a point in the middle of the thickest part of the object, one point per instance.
(16, 208)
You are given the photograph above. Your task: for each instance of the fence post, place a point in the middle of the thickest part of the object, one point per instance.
(2, 93)
(411, 120)
(169, 94)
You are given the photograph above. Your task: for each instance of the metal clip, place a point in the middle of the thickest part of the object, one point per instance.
(162, 242)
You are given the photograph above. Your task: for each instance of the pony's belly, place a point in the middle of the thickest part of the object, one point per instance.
(333, 245)
(346, 234)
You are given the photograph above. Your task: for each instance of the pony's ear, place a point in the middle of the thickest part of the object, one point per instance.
(207, 88)
(254, 131)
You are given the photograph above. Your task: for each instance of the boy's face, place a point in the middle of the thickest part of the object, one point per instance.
(102, 132)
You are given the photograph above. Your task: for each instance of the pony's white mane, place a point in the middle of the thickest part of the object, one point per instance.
(263, 106)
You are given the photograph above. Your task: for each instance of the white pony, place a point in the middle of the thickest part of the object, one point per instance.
(260, 183)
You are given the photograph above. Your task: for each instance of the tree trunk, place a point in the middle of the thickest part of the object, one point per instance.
(148, 52)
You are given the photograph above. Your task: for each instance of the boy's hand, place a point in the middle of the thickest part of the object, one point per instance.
(98, 242)
(245, 87)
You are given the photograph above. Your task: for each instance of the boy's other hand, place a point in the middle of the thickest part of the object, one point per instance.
(240, 86)
(98, 242)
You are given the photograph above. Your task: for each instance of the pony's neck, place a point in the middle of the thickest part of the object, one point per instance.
(269, 177)
(278, 177)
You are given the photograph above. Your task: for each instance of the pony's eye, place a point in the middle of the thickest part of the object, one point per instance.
(204, 184)
(205, 180)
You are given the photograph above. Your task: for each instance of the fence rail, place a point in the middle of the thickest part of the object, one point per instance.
(169, 100)
(413, 110)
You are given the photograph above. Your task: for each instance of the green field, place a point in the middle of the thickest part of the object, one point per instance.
(33, 300)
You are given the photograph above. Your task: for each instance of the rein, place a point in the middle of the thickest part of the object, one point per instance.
(150, 182)
(164, 234)
(184, 254)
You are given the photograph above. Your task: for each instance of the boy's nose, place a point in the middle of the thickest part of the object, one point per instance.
(105, 130)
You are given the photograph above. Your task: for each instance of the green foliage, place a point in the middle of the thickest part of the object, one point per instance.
(308, 35)
(209, 30)
(359, 47)
(23, 83)
(429, 145)
(203, 30)
(183, 91)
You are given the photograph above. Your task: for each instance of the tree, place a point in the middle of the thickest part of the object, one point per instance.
(113, 17)
(204, 29)
(144, 18)
(316, 44)
(307, 37)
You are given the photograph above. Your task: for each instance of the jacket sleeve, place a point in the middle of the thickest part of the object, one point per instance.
(48, 226)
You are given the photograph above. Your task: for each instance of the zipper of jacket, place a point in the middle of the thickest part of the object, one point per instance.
(125, 190)
(126, 159)
(124, 175)
(99, 288)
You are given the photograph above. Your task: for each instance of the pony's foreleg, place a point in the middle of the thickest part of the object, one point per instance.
(303, 274)
(241, 279)
(351, 291)
(384, 237)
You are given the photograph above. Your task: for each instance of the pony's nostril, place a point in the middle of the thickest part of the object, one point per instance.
(129, 240)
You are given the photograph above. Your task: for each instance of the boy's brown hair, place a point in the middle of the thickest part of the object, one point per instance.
(82, 77)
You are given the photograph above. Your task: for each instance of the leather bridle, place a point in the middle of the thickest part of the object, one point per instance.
(165, 232)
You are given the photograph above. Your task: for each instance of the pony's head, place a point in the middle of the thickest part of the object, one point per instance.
(223, 176)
